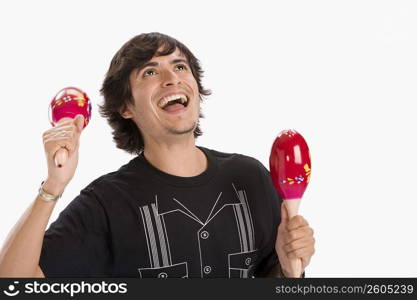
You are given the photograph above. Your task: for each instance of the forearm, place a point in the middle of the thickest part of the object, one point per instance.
(19, 256)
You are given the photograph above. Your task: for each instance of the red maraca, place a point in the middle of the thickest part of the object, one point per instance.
(68, 103)
(290, 169)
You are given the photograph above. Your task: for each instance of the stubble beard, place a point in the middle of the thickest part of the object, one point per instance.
(184, 130)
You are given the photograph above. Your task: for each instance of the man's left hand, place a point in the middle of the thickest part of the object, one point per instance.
(294, 241)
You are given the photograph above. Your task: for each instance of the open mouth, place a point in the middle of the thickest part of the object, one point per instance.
(173, 103)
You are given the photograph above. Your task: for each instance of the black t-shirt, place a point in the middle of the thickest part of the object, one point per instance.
(142, 222)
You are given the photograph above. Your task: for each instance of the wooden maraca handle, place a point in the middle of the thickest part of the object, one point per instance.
(61, 157)
(292, 209)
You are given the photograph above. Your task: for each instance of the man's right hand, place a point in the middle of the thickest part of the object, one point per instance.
(66, 134)
(20, 253)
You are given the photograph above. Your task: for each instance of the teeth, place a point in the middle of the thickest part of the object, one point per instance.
(164, 101)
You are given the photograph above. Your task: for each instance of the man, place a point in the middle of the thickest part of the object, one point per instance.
(175, 210)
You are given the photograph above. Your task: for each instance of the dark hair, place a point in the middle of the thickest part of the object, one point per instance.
(116, 86)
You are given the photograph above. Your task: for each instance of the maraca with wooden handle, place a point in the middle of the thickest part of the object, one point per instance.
(290, 169)
(68, 103)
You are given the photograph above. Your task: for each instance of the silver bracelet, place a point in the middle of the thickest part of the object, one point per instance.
(45, 196)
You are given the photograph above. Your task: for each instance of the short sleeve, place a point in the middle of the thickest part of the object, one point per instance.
(268, 256)
(77, 244)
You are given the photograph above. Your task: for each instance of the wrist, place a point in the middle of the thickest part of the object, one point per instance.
(53, 188)
(287, 274)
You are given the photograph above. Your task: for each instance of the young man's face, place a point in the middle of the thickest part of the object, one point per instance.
(155, 112)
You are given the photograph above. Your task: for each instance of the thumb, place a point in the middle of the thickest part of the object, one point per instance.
(79, 122)
(284, 213)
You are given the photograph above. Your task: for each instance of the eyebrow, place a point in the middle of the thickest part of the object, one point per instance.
(155, 64)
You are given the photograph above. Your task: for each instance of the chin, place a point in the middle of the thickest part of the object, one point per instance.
(183, 129)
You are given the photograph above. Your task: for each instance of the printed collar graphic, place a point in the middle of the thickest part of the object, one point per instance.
(12, 291)
(172, 204)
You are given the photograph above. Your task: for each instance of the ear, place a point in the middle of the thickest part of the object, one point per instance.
(126, 113)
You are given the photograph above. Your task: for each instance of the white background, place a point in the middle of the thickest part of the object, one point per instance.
(342, 73)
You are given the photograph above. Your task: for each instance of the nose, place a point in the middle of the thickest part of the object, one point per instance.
(170, 78)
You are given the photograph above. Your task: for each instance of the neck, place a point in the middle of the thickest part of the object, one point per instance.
(179, 158)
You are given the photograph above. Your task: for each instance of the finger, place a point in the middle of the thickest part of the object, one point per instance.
(53, 144)
(296, 234)
(79, 122)
(60, 157)
(305, 261)
(61, 133)
(59, 140)
(58, 128)
(58, 135)
(64, 126)
(70, 129)
(296, 222)
(302, 252)
(298, 244)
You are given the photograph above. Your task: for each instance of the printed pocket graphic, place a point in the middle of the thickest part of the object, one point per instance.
(174, 271)
(242, 264)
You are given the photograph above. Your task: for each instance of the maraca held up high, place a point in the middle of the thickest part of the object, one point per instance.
(290, 169)
(68, 103)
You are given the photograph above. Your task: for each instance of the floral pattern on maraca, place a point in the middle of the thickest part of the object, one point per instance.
(298, 179)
